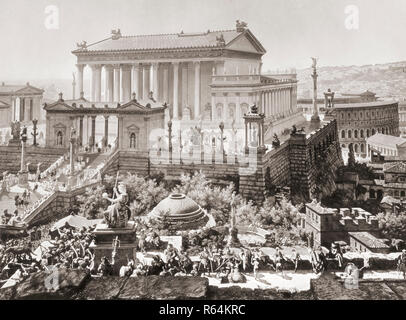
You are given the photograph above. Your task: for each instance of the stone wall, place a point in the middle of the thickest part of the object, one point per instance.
(10, 157)
(292, 164)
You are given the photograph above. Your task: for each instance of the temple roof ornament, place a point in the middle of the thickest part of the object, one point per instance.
(220, 40)
(116, 34)
(82, 45)
(240, 25)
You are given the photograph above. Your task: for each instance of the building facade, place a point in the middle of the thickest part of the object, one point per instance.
(327, 225)
(207, 77)
(357, 122)
(20, 103)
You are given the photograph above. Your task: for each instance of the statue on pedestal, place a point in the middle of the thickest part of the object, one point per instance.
(118, 213)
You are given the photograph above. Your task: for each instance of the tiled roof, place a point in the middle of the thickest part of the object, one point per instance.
(385, 140)
(368, 239)
(164, 41)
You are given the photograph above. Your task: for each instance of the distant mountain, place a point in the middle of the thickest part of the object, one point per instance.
(386, 80)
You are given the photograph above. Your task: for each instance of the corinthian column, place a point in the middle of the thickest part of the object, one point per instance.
(80, 68)
(117, 83)
(197, 90)
(96, 83)
(136, 80)
(155, 89)
(109, 90)
(166, 84)
(125, 83)
(146, 76)
(175, 90)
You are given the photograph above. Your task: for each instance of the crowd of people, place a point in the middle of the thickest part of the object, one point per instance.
(68, 249)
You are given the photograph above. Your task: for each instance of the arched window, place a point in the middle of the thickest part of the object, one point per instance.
(383, 131)
(355, 134)
(349, 116)
(360, 115)
(342, 134)
(367, 133)
(387, 130)
(59, 138)
(349, 134)
(373, 131)
(362, 148)
(356, 148)
(361, 133)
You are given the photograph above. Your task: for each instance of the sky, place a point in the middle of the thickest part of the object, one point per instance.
(292, 31)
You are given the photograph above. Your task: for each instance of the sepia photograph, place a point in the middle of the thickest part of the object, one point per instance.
(196, 151)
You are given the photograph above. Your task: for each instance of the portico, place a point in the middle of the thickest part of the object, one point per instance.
(204, 77)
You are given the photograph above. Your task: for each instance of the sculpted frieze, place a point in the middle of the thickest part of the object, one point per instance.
(123, 56)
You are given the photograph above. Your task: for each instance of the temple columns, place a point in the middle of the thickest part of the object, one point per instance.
(125, 83)
(80, 68)
(116, 83)
(96, 83)
(175, 90)
(155, 89)
(146, 79)
(80, 143)
(136, 80)
(106, 131)
(93, 142)
(166, 84)
(109, 89)
(197, 90)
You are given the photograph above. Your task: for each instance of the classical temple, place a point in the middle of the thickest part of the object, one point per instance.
(207, 77)
(20, 103)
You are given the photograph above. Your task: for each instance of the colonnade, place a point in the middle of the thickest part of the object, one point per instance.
(121, 80)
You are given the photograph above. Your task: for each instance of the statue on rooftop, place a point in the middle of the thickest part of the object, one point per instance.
(82, 45)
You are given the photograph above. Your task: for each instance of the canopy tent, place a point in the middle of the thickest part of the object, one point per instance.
(77, 222)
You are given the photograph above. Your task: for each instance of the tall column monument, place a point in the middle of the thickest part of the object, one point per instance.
(23, 173)
(315, 115)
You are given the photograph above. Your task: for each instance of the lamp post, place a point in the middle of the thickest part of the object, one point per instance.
(23, 173)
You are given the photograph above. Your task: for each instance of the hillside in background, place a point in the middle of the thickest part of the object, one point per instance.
(386, 80)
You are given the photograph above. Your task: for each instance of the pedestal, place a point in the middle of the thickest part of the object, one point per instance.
(23, 178)
(103, 244)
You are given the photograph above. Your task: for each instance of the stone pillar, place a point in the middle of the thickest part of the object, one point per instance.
(71, 153)
(146, 79)
(106, 131)
(125, 83)
(93, 131)
(120, 132)
(80, 131)
(155, 89)
(213, 107)
(23, 173)
(315, 116)
(175, 90)
(136, 80)
(80, 68)
(197, 90)
(117, 83)
(96, 83)
(109, 89)
(166, 84)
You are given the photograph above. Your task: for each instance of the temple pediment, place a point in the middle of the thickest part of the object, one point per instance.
(134, 105)
(59, 125)
(29, 90)
(58, 106)
(133, 128)
(246, 42)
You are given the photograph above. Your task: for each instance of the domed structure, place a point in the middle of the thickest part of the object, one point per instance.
(181, 212)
